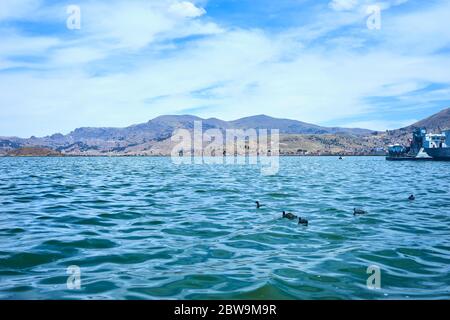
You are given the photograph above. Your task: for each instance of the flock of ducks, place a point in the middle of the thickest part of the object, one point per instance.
(304, 222)
(292, 216)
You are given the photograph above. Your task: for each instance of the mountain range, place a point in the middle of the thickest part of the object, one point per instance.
(153, 137)
(437, 121)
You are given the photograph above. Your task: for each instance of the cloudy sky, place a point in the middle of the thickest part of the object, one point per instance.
(132, 60)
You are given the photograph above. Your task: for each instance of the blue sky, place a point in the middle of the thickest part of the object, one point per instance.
(133, 60)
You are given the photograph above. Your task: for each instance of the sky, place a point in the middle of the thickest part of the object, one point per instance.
(114, 63)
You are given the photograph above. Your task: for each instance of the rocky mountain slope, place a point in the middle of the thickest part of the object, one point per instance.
(438, 121)
(153, 137)
(434, 123)
(141, 138)
(33, 152)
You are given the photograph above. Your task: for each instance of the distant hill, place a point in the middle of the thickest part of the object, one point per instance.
(438, 121)
(140, 137)
(153, 137)
(287, 126)
(163, 126)
(33, 152)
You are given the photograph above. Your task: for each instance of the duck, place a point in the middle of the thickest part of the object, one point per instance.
(258, 205)
(358, 211)
(340, 158)
(302, 221)
(412, 197)
(289, 215)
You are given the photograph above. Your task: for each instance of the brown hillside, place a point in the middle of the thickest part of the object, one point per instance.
(440, 120)
(33, 152)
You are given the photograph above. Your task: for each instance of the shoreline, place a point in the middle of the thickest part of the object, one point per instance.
(168, 156)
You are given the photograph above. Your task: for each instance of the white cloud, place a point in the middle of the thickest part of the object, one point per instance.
(422, 32)
(76, 55)
(134, 25)
(16, 44)
(244, 74)
(361, 5)
(186, 9)
(126, 24)
(140, 70)
(342, 5)
(108, 28)
(16, 9)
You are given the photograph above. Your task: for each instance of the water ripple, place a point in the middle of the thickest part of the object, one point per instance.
(144, 228)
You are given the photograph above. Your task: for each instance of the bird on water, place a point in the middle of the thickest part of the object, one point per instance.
(289, 215)
(412, 197)
(358, 211)
(258, 205)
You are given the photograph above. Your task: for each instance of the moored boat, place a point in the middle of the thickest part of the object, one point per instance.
(437, 146)
(424, 146)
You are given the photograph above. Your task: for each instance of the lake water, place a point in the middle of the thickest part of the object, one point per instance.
(144, 228)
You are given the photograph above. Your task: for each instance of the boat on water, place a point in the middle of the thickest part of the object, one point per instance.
(423, 146)
(440, 153)
(437, 146)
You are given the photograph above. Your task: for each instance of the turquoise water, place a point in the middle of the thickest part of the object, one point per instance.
(144, 228)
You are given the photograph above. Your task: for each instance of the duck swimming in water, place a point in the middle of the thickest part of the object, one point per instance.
(258, 205)
(302, 221)
(358, 211)
(412, 197)
(289, 215)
